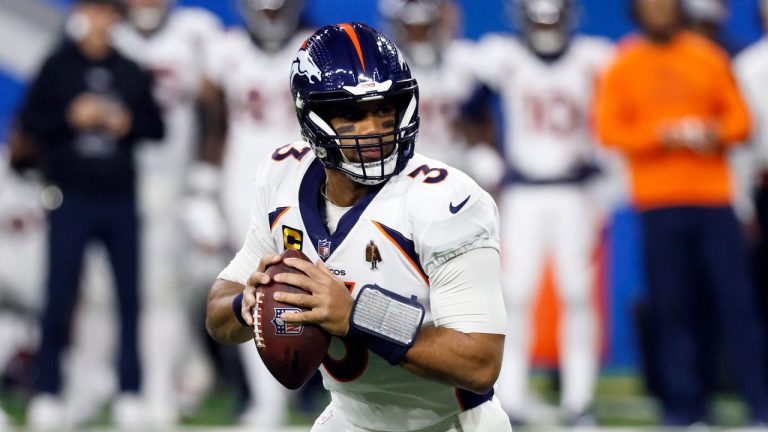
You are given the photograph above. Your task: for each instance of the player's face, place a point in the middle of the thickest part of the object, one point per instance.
(417, 32)
(658, 16)
(367, 118)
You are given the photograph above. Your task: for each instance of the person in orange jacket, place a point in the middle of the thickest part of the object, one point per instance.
(670, 104)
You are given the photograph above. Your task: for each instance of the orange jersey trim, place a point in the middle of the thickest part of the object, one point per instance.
(274, 223)
(415, 266)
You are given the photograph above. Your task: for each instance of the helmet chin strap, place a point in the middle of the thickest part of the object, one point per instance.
(389, 164)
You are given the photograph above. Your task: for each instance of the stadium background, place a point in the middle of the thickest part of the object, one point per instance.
(608, 18)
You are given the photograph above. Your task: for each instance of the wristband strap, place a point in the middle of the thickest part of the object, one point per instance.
(237, 308)
(385, 322)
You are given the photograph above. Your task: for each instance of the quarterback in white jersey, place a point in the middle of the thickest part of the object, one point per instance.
(354, 187)
(173, 44)
(546, 81)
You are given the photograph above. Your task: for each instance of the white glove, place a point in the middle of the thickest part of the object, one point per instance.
(484, 165)
(201, 213)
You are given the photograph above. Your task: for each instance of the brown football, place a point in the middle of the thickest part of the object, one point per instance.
(291, 352)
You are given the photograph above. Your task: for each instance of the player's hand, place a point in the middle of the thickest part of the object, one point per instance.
(86, 111)
(330, 301)
(690, 133)
(117, 119)
(259, 277)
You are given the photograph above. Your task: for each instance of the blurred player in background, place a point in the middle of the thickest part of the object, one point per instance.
(751, 67)
(23, 246)
(546, 82)
(248, 70)
(676, 121)
(173, 43)
(426, 32)
(357, 179)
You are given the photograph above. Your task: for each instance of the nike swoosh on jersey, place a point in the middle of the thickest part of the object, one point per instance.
(455, 209)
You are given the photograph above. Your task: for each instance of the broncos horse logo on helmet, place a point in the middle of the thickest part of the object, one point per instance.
(356, 64)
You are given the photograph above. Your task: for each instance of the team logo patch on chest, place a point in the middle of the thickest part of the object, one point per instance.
(324, 248)
(283, 328)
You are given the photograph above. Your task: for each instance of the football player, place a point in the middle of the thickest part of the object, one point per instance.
(356, 180)
(425, 31)
(248, 71)
(22, 263)
(751, 162)
(545, 79)
(172, 43)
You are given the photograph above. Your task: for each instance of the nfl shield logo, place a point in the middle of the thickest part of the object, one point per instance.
(283, 328)
(324, 248)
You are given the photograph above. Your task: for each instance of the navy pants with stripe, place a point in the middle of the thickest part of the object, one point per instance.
(80, 220)
(698, 280)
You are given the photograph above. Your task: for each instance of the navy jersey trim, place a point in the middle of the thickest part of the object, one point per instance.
(468, 400)
(405, 245)
(276, 215)
(311, 205)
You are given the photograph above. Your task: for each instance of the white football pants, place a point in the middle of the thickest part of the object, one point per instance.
(486, 417)
(536, 222)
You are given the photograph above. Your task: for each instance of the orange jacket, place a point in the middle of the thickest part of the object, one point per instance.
(650, 84)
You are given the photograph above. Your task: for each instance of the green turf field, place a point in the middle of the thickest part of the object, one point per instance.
(620, 404)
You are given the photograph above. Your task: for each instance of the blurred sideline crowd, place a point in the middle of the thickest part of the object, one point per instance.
(125, 184)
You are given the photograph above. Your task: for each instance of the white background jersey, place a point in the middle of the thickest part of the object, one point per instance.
(261, 116)
(175, 55)
(442, 90)
(23, 234)
(751, 70)
(547, 106)
(418, 220)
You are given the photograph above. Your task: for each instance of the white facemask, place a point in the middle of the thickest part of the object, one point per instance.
(371, 168)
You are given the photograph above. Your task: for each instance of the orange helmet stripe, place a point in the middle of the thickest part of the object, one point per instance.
(352, 35)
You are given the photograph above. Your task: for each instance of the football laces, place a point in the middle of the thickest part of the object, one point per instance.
(257, 332)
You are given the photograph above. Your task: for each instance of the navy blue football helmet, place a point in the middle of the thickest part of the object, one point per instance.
(345, 64)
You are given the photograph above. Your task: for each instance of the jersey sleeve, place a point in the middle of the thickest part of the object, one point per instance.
(258, 241)
(466, 296)
(450, 218)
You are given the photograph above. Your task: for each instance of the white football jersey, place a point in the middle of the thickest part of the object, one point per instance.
(23, 230)
(751, 69)
(546, 105)
(261, 115)
(418, 220)
(175, 54)
(442, 91)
